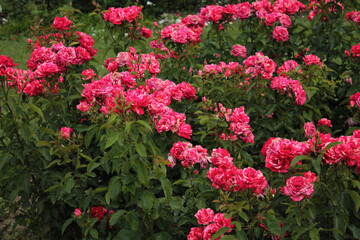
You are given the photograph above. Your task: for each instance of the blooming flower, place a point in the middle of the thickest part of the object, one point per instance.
(77, 212)
(238, 50)
(61, 23)
(65, 132)
(280, 34)
(98, 212)
(309, 129)
(325, 122)
(312, 60)
(299, 187)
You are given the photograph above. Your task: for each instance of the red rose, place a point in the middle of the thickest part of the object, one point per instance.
(61, 23)
(98, 212)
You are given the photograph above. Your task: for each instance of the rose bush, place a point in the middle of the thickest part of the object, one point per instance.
(252, 99)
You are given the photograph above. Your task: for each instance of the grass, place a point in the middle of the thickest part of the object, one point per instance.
(17, 50)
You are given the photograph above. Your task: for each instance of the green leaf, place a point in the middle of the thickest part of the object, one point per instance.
(142, 171)
(111, 140)
(36, 109)
(147, 200)
(317, 163)
(355, 183)
(355, 231)
(243, 216)
(111, 120)
(52, 188)
(145, 124)
(330, 145)
(114, 218)
(140, 149)
(128, 127)
(94, 233)
(43, 144)
(100, 190)
(66, 224)
(114, 189)
(167, 188)
(89, 135)
(356, 199)
(229, 237)
(237, 225)
(92, 166)
(69, 184)
(298, 159)
(314, 234)
(272, 224)
(220, 232)
(4, 159)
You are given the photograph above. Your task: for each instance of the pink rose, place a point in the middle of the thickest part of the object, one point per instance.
(309, 129)
(325, 122)
(221, 158)
(299, 187)
(280, 34)
(78, 212)
(195, 233)
(147, 33)
(355, 51)
(312, 60)
(253, 179)
(355, 99)
(61, 23)
(205, 216)
(46, 69)
(65, 132)
(239, 50)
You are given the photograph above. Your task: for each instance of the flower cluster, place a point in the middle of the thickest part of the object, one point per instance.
(255, 65)
(312, 60)
(324, 122)
(188, 155)
(119, 15)
(355, 51)
(280, 12)
(115, 92)
(96, 212)
(5, 63)
(239, 124)
(228, 177)
(61, 23)
(213, 13)
(49, 60)
(355, 99)
(353, 16)
(259, 65)
(280, 152)
(315, 6)
(134, 63)
(287, 67)
(299, 187)
(292, 87)
(212, 223)
(26, 81)
(180, 33)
